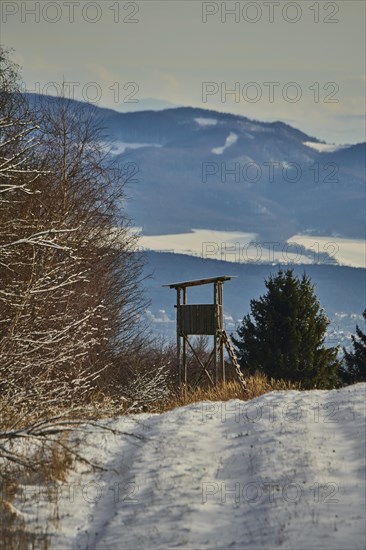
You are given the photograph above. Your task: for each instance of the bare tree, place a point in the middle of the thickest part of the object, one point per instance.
(70, 282)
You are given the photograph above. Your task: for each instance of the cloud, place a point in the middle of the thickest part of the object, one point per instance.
(160, 317)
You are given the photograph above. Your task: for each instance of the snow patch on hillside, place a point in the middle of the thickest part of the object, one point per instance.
(206, 121)
(240, 247)
(119, 147)
(324, 147)
(230, 140)
(351, 252)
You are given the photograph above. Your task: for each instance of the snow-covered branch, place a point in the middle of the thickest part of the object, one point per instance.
(40, 239)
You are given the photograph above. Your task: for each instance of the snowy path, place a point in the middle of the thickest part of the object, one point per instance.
(286, 470)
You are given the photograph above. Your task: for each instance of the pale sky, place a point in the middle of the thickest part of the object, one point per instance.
(301, 62)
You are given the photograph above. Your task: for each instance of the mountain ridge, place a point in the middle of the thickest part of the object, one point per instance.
(199, 168)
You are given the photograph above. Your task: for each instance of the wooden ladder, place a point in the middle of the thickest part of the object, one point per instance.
(226, 340)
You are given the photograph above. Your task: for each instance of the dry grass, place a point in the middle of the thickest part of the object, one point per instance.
(101, 405)
(53, 465)
(14, 534)
(257, 385)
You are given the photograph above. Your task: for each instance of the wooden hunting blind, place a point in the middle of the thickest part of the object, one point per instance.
(203, 319)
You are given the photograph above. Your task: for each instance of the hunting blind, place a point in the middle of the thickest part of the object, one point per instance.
(203, 319)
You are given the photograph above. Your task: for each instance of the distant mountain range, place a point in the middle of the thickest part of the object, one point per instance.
(194, 168)
(148, 104)
(198, 169)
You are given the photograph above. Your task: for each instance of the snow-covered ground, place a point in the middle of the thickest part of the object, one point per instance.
(285, 470)
(235, 246)
(350, 252)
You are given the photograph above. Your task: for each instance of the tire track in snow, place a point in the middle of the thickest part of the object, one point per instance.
(285, 452)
